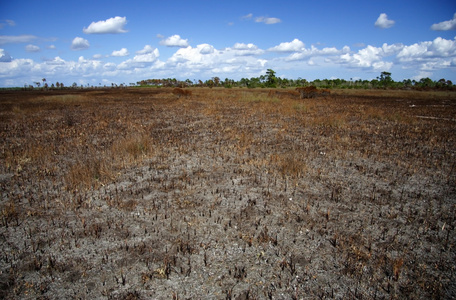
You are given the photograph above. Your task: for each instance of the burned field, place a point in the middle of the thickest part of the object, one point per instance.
(227, 194)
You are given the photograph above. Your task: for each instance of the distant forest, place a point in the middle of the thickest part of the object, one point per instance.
(270, 80)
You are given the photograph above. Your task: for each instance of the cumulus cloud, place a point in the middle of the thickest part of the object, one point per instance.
(305, 53)
(79, 44)
(141, 60)
(174, 41)
(293, 46)
(206, 60)
(121, 52)
(445, 25)
(267, 20)
(4, 56)
(241, 59)
(200, 54)
(430, 55)
(383, 21)
(112, 25)
(147, 57)
(32, 48)
(206, 49)
(56, 61)
(371, 57)
(247, 49)
(146, 49)
(242, 46)
(16, 39)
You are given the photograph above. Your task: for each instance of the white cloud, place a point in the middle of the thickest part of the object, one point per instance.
(207, 61)
(52, 47)
(22, 68)
(206, 49)
(194, 55)
(445, 25)
(304, 53)
(121, 52)
(4, 56)
(32, 48)
(240, 60)
(267, 20)
(7, 22)
(310, 62)
(242, 46)
(371, 57)
(109, 66)
(79, 44)
(142, 60)
(56, 61)
(146, 49)
(437, 50)
(384, 22)
(174, 41)
(246, 49)
(293, 46)
(16, 39)
(247, 17)
(147, 57)
(112, 25)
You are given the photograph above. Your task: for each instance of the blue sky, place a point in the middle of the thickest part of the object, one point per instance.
(103, 42)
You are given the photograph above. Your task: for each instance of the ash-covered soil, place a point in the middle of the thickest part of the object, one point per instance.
(227, 194)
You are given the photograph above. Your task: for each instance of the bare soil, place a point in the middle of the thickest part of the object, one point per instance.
(227, 194)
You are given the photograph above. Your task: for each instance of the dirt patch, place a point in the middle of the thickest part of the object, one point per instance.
(227, 194)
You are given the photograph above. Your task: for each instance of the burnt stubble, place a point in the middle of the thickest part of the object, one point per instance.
(227, 194)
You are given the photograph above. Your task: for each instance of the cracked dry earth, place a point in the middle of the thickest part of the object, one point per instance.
(227, 194)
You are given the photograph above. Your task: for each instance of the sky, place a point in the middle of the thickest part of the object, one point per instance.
(103, 42)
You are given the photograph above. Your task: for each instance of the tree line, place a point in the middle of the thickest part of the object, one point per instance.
(270, 80)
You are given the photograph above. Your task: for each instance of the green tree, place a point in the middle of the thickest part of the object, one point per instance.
(385, 79)
(271, 79)
(426, 82)
(210, 83)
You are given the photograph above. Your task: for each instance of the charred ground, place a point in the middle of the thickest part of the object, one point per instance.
(227, 194)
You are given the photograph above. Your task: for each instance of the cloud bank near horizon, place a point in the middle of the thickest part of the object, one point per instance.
(239, 60)
(204, 60)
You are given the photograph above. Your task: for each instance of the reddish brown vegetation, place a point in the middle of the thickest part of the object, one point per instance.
(182, 92)
(312, 92)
